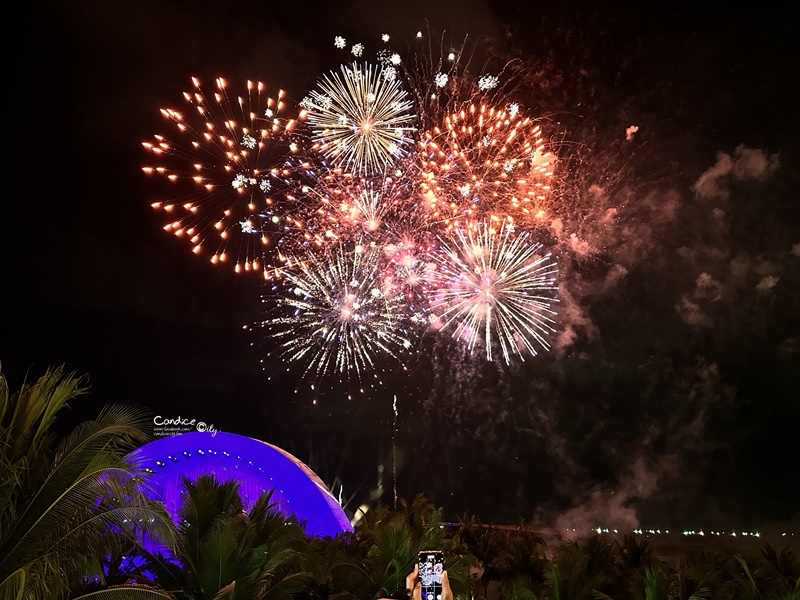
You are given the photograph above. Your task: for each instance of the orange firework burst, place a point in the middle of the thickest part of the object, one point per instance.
(485, 164)
(230, 169)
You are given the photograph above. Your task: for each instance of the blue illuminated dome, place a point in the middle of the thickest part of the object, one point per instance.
(259, 466)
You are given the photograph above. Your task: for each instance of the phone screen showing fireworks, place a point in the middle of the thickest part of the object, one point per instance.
(431, 565)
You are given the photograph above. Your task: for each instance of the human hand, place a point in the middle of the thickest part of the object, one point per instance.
(414, 586)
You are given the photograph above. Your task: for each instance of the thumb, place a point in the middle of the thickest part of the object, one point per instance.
(447, 593)
(411, 579)
(416, 593)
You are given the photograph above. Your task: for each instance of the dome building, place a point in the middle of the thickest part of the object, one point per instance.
(258, 466)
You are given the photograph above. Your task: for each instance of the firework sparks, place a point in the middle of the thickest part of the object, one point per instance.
(440, 76)
(229, 164)
(382, 208)
(386, 213)
(360, 118)
(338, 314)
(488, 82)
(494, 288)
(485, 163)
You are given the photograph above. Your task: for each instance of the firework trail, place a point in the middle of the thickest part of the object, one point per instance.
(446, 77)
(229, 170)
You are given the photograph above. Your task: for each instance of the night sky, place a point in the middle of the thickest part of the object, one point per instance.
(670, 396)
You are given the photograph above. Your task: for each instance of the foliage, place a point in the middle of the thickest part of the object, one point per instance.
(375, 559)
(227, 552)
(72, 512)
(514, 557)
(66, 505)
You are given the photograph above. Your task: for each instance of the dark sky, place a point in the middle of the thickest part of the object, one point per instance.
(670, 397)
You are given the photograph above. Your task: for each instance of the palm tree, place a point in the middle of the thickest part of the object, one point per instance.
(65, 506)
(513, 558)
(773, 575)
(656, 584)
(639, 570)
(375, 559)
(701, 575)
(779, 572)
(227, 552)
(572, 574)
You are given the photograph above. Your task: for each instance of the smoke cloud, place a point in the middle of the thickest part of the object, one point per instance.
(743, 165)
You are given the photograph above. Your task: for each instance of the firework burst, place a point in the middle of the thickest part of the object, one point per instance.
(381, 209)
(493, 288)
(338, 314)
(229, 175)
(485, 164)
(377, 213)
(360, 120)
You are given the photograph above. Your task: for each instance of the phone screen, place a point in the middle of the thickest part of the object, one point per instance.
(431, 565)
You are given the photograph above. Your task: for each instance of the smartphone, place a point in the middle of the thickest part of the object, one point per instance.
(431, 565)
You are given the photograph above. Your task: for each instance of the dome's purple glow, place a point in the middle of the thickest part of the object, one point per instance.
(257, 465)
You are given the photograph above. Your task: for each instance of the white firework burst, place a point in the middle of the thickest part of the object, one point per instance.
(488, 82)
(493, 289)
(337, 315)
(360, 119)
(389, 73)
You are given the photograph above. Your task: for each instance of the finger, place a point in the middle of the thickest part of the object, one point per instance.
(447, 593)
(411, 579)
(416, 594)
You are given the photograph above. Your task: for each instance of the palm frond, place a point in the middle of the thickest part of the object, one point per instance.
(4, 396)
(13, 586)
(520, 588)
(206, 501)
(656, 584)
(30, 412)
(221, 555)
(79, 461)
(47, 524)
(66, 388)
(745, 580)
(127, 592)
(288, 588)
